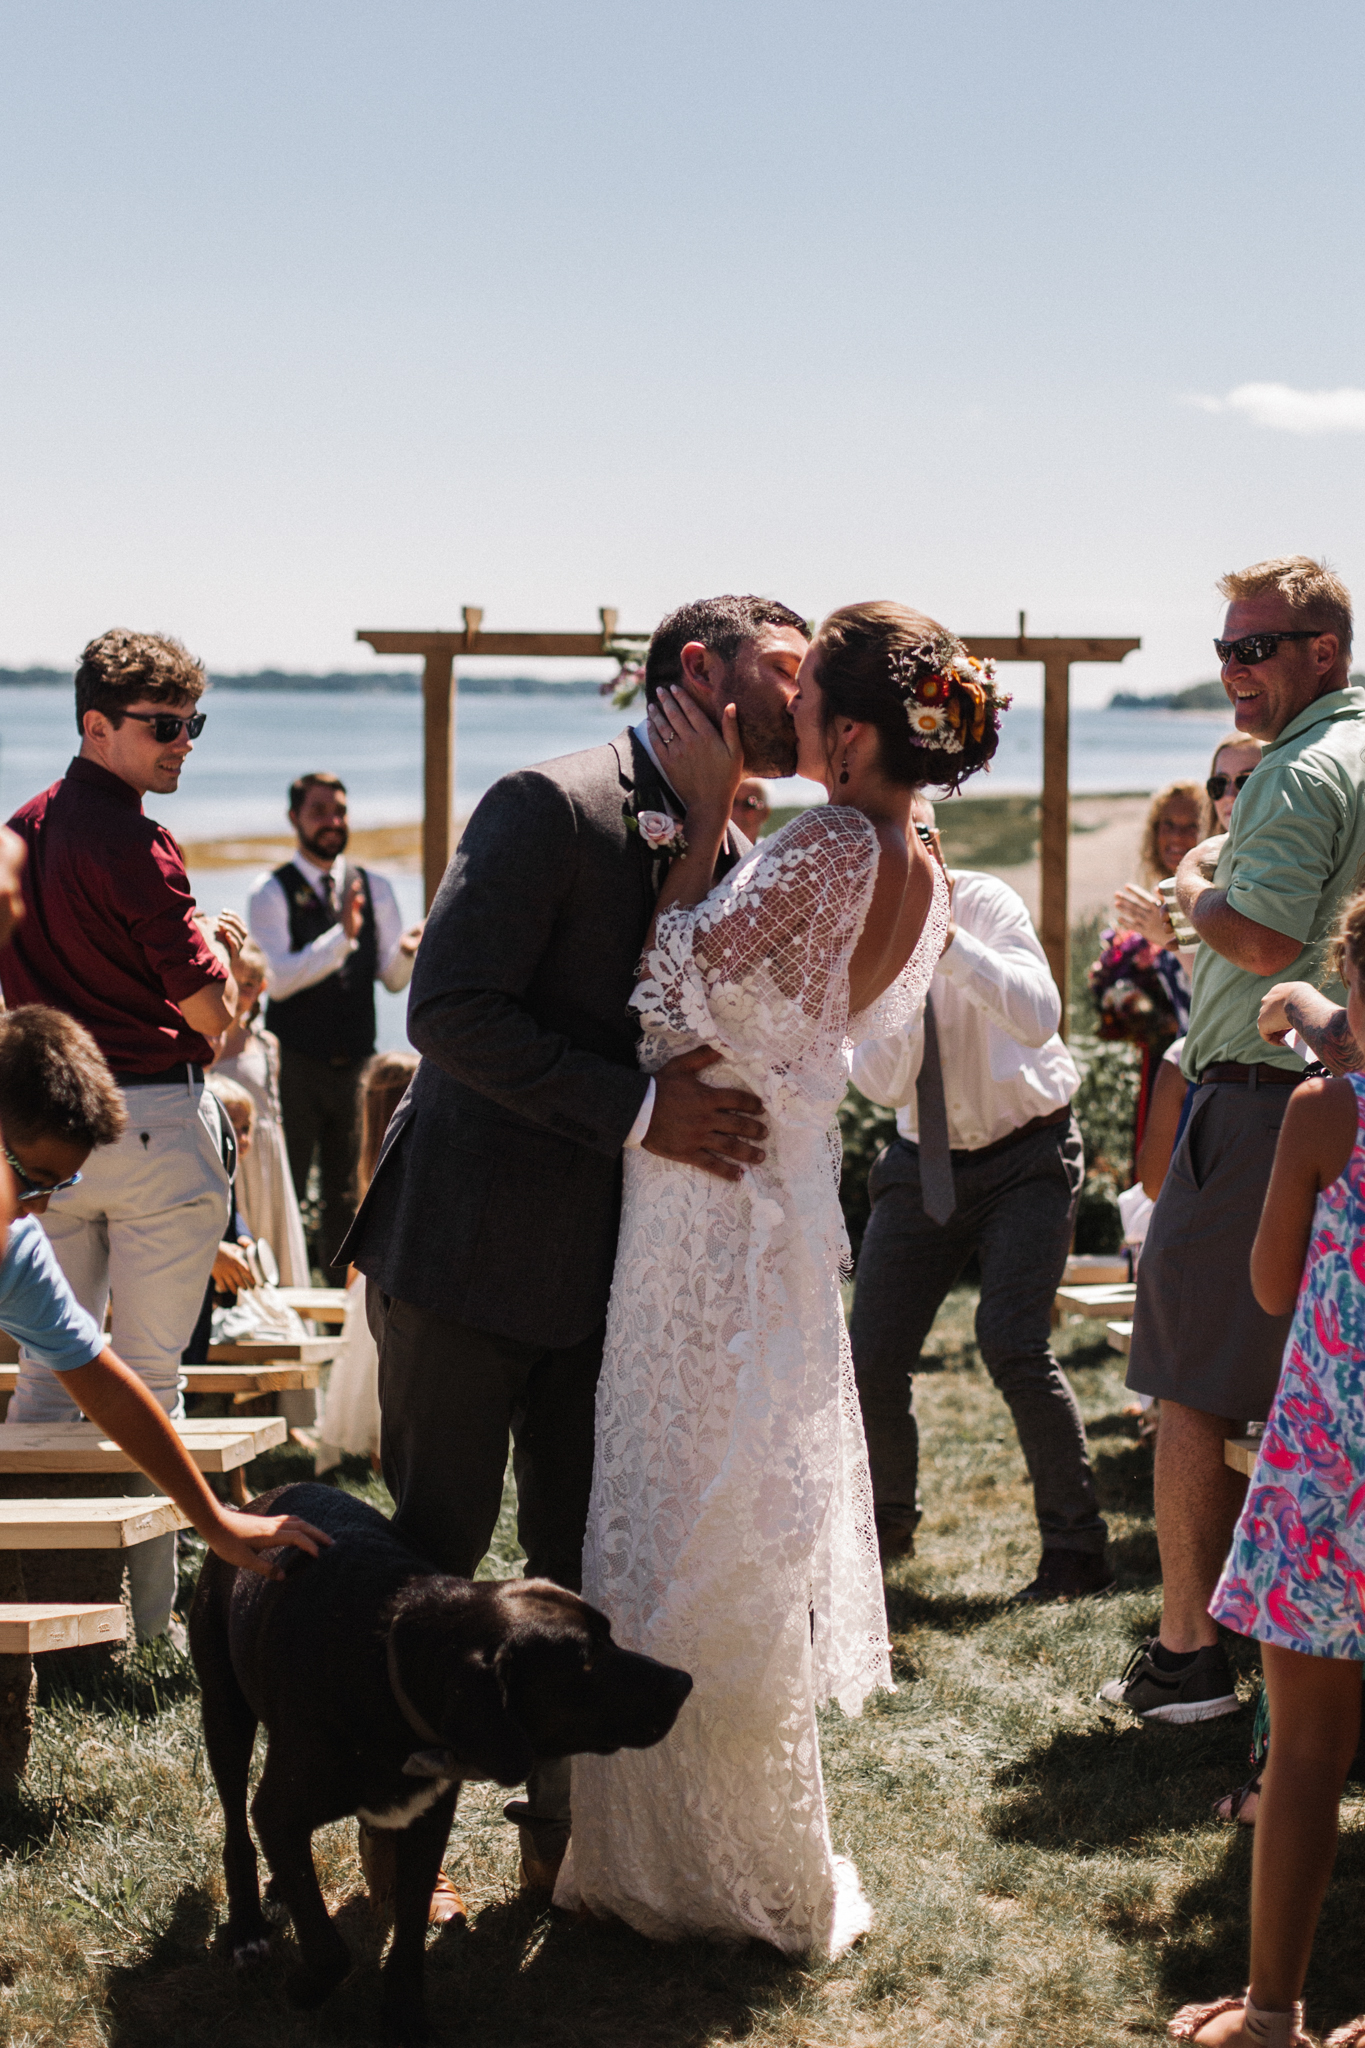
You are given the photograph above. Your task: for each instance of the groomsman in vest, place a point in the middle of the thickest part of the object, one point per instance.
(330, 930)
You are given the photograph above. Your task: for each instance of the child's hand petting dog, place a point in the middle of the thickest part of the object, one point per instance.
(239, 1539)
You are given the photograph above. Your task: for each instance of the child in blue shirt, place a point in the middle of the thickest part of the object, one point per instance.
(58, 1101)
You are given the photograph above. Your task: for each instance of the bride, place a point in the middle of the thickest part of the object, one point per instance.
(730, 1528)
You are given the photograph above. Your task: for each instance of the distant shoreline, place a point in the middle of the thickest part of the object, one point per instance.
(406, 682)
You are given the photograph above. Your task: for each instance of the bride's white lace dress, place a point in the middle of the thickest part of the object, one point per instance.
(730, 1529)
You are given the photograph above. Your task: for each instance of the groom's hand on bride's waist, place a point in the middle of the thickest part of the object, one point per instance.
(721, 1130)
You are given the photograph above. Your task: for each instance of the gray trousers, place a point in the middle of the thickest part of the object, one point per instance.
(1016, 1210)
(450, 1398)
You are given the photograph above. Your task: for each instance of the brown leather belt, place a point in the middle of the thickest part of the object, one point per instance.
(1037, 1123)
(1233, 1073)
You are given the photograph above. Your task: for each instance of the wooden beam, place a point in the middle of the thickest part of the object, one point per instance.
(1054, 839)
(438, 767)
(577, 646)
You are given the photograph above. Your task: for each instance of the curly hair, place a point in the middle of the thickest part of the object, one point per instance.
(1188, 792)
(121, 666)
(1348, 939)
(862, 651)
(54, 1081)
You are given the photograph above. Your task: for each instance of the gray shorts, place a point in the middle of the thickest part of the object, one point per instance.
(1198, 1335)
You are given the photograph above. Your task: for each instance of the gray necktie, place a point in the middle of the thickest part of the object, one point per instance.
(935, 1159)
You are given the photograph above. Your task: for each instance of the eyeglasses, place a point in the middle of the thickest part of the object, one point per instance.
(166, 726)
(1217, 785)
(1255, 648)
(28, 1191)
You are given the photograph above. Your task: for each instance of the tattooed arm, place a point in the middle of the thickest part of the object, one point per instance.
(1298, 1006)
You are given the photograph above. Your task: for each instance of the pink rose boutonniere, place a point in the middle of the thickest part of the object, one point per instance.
(660, 832)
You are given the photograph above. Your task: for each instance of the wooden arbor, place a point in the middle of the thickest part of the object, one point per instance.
(438, 651)
(1054, 850)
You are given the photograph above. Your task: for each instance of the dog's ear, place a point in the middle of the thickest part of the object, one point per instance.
(477, 1726)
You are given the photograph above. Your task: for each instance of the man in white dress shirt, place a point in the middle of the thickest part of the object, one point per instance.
(988, 1160)
(329, 931)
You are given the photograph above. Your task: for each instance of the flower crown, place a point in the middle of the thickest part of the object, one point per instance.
(947, 693)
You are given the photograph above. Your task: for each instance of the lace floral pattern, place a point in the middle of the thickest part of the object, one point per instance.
(731, 1527)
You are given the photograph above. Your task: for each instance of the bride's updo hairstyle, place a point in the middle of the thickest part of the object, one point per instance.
(935, 708)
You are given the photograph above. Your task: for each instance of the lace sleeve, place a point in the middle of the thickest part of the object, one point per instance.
(895, 1006)
(761, 964)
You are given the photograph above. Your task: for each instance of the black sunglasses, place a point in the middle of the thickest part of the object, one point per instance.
(1255, 648)
(1217, 785)
(166, 727)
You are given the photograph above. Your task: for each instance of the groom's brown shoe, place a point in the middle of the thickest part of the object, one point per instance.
(378, 1863)
(539, 1873)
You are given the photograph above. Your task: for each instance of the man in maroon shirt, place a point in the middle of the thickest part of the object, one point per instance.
(109, 936)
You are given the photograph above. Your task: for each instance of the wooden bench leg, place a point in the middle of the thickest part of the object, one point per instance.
(237, 1486)
(17, 1687)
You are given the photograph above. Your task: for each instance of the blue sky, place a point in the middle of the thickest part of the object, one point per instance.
(326, 315)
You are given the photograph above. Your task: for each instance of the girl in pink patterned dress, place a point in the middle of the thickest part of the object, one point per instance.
(1295, 1575)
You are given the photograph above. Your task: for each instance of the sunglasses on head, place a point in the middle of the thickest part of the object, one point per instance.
(1217, 785)
(750, 803)
(166, 726)
(1254, 648)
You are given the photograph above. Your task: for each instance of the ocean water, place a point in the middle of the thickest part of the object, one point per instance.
(237, 779)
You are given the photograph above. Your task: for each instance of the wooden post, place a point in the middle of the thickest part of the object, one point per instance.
(438, 766)
(1055, 833)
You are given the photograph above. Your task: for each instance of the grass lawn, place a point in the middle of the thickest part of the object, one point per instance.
(1043, 1872)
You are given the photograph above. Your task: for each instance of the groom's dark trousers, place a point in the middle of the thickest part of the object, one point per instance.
(488, 1234)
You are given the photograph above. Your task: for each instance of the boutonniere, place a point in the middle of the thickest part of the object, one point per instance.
(661, 833)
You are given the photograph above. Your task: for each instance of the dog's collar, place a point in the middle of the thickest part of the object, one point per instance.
(404, 1704)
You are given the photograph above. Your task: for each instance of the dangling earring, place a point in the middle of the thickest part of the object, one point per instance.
(844, 774)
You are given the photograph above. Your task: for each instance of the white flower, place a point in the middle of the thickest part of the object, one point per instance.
(658, 830)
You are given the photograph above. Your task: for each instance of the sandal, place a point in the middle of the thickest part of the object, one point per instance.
(1274, 2029)
(1235, 1801)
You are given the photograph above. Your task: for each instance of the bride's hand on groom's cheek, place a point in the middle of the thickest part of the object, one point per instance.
(721, 1130)
(704, 763)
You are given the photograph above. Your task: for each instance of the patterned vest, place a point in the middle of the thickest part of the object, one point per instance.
(334, 1019)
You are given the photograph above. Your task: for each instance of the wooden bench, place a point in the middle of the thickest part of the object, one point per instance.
(100, 1522)
(28, 1627)
(318, 1304)
(1096, 1269)
(215, 1446)
(1100, 1301)
(244, 1380)
(1241, 1452)
(1120, 1336)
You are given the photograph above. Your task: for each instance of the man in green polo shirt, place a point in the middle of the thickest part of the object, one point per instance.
(1263, 901)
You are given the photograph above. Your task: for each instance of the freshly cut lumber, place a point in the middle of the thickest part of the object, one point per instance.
(1098, 1301)
(99, 1522)
(214, 1445)
(28, 1626)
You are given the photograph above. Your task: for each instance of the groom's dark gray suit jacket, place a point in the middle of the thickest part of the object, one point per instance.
(497, 1195)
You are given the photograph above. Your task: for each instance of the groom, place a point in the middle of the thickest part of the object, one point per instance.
(489, 1231)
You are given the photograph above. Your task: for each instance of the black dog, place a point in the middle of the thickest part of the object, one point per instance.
(382, 1686)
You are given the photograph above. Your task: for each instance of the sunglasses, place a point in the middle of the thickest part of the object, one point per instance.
(27, 1191)
(928, 833)
(1255, 647)
(166, 727)
(1217, 785)
(751, 803)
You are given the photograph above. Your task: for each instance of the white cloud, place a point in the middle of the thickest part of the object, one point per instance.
(1293, 412)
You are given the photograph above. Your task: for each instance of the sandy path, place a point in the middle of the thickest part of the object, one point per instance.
(1106, 832)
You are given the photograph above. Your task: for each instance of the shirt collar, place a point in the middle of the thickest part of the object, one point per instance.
(313, 871)
(91, 773)
(641, 732)
(1347, 703)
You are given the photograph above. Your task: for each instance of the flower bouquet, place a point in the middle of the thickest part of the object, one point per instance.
(1130, 991)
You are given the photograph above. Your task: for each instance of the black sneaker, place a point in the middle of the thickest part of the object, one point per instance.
(1067, 1575)
(1201, 1690)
